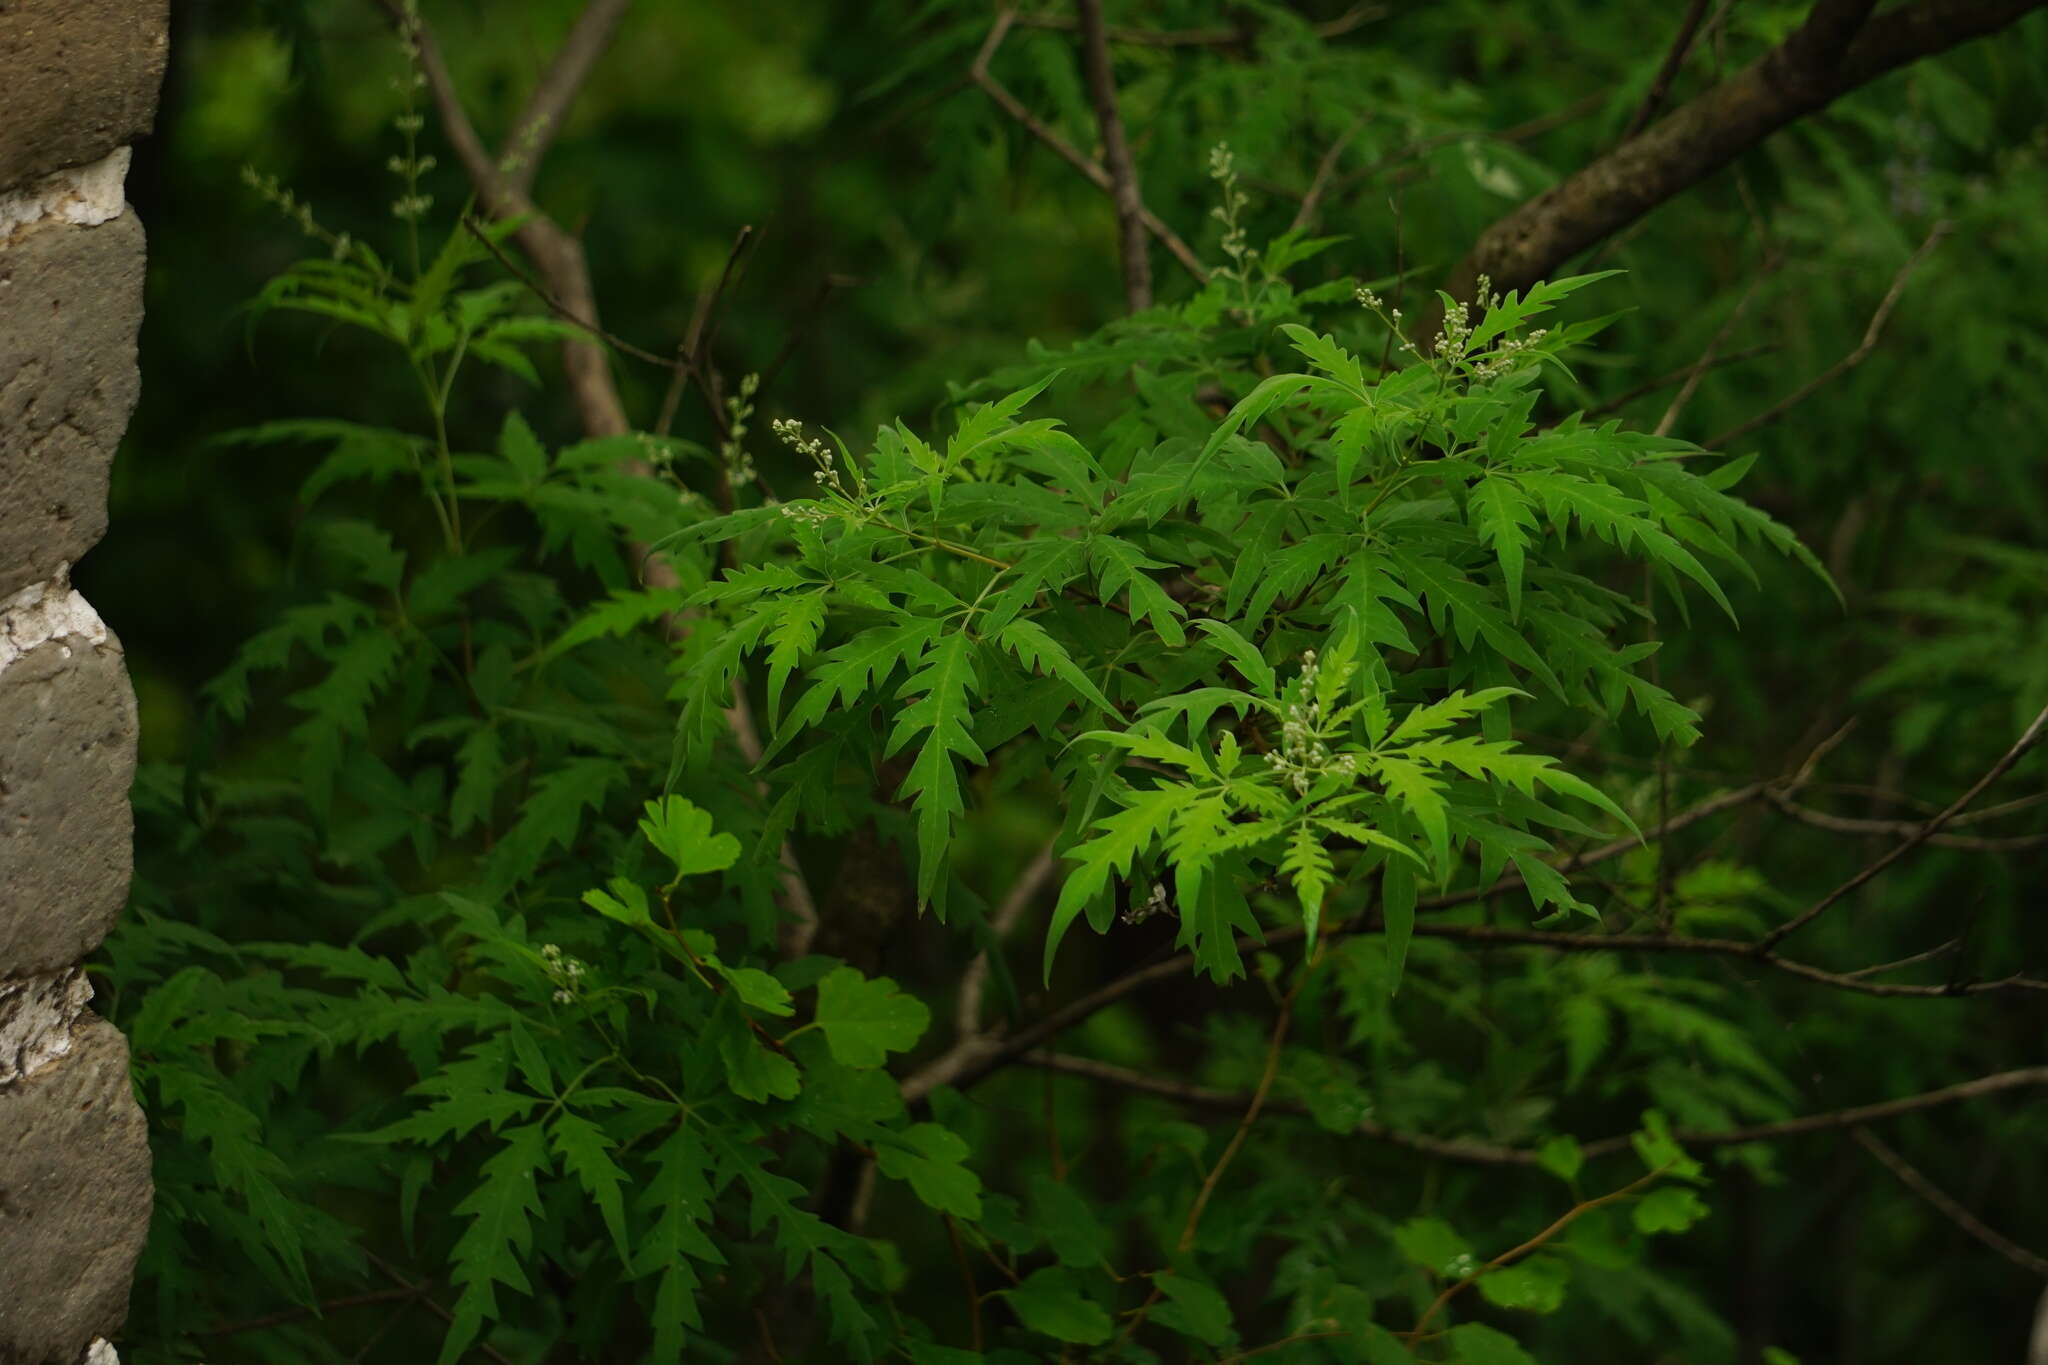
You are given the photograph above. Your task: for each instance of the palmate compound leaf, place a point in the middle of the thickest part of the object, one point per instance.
(943, 684)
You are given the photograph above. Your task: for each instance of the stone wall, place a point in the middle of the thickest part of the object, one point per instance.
(78, 83)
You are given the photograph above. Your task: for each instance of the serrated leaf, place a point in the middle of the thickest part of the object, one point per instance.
(944, 684)
(864, 1020)
(682, 833)
(1193, 1308)
(585, 1150)
(1050, 1302)
(930, 1158)
(1030, 643)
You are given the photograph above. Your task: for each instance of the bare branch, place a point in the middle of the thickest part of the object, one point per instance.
(1660, 86)
(974, 982)
(1352, 18)
(1932, 827)
(1692, 383)
(1311, 198)
(1116, 159)
(1871, 333)
(1843, 824)
(1488, 1154)
(534, 131)
(1663, 381)
(1947, 1207)
(1065, 150)
(1706, 133)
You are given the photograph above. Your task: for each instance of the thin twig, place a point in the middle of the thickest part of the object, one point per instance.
(1871, 335)
(978, 72)
(974, 981)
(534, 130)
(278, 1319)
(1844, 824)
(1472, 1152)
(396, 1276)
(1947, 1207)
(1251, 1112)
(1116, 159)
(1311, 198)
(1663, 381)
(1932, 827)
(1700, 367)
(1688, 29)
(1352, 18)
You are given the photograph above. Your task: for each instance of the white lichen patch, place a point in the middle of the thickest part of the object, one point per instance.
(101, 1352)
(37, 1017)
(85, 195)
(42, 612)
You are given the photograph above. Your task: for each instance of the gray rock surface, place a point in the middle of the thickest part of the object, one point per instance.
(81, 78)
(70, 306)
(74, 1200)
(67, 757)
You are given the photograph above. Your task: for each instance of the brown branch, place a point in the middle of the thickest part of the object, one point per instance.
(1947, 1207)
(560, 259)
(1660, 86)
(534, 130)
(1871, 333)
(1699, 370)
(1352, 18)
(1488, 1154)
(278, 1319)
(1932, 827)
(1116, 159)
(974, 981)
(1091, 169)
(1311, 198)
(1664, 381)
(1708, 132)
(1843, 824)
(432, 1305)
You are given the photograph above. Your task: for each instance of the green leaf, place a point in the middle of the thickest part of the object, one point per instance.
(930, 1157)
(1120, 565)
(1432, 1244)
(758, 989)
(682, 833)
(1536, 1285)
(1307, 862)
(944, 684)
(799, 619)
(1069, 1223)
(865, 1020)
(1030, 643)
(625, 901)
(1561, 1157)
(1193, 1308)
(1673, 1208)
(754, 1072)
(1050, 1302)
(1397, 905)
(1245, 655)
(1477, 1344)
(493, 1249)
(1121, 838)
(585, 1150)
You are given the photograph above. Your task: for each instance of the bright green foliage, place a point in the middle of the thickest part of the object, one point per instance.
(1323, 660)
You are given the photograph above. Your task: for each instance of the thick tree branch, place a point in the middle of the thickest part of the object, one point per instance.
(1805, 73)
(1116, 159)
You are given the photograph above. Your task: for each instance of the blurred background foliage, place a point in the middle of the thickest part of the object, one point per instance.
(909, 236)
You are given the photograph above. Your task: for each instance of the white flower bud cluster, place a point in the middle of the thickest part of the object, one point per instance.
(1456, 337)
(273, 192)
(815, 448)
(1223, 170)
(739, 464)
(565, 971)
(1304, 752)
